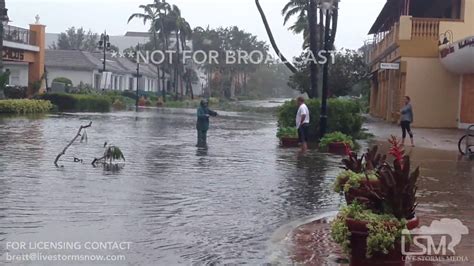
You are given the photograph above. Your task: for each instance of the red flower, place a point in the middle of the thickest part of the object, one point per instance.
(396, 150)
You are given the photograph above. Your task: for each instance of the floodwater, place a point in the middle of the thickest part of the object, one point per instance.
(176, 204)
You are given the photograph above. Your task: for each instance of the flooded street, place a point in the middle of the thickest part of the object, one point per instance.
(177, 204)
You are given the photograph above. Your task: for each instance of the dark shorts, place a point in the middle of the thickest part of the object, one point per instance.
(303, 133)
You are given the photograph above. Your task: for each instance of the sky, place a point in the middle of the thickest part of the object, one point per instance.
(355, 17)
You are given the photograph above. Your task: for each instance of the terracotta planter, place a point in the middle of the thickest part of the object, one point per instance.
(338, 148)
(289, 142)
(359, 234)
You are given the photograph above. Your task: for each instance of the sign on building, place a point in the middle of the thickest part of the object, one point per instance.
(393, 66)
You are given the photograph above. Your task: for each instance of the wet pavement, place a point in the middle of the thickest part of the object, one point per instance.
(235, 203)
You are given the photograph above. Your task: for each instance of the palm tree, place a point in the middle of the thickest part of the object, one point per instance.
(300, 9)
(182, 31)
(150, 14)
(288, 64)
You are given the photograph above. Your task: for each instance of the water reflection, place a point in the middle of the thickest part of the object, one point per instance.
(176, 203)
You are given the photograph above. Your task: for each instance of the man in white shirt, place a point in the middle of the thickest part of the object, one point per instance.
(302, 123)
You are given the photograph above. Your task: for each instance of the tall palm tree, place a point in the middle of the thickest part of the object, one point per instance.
(182, 32)
(150, 14)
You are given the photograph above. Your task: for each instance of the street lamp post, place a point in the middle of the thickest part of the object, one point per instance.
(104, 45)
(138, 76)
(327, 6)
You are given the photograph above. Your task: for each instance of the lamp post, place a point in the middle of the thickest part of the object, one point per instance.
(4, 21)
(138, 76)
(327, 6)
(104, 45)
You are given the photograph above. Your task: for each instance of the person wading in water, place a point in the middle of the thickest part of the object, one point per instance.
(406, 120)
(202, 126)
(302, 123)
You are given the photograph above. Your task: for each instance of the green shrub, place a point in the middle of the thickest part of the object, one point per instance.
(287, 132)
(63, 80)
(343, 116)
(79, 102)
(333, 138)
(25, 106)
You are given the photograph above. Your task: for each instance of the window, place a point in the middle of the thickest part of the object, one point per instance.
(436, 9)
(130, 83)
(15, 77)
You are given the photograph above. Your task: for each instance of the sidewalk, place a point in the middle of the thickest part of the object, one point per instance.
(440, 139)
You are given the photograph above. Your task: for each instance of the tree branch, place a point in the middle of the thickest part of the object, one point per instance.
(70, 143)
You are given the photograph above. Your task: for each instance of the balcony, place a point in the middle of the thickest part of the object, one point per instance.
(425, 29)
(19, 35)
(406, 29)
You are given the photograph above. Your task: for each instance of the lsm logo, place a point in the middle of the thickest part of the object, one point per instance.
(434, 243)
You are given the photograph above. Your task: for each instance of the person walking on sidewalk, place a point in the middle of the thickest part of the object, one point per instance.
(406, 120)
(302, 123)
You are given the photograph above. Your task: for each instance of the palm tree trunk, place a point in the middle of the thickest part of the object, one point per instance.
(155, 46)
(288, 64)
(313, 39)
(2, 8)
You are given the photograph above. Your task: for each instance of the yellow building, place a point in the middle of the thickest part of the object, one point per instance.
(424, 49)
(24, 56)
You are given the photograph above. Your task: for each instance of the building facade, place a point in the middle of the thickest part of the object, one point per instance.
(86, 68)
(428, 47)
(24, 55)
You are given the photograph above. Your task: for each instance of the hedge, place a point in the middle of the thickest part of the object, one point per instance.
(79, 102)
(343, 116)
(25, 106)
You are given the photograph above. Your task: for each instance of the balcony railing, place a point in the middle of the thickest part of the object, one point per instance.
(384, 41)
(19, 35)
(425, 28)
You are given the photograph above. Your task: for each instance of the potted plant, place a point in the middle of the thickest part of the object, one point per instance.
(337, 143)
(369, 228)
(288, 136)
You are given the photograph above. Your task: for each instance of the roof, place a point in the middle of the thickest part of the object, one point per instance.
(87, 61)
(68, 59)
(137, 34)
(389, 13)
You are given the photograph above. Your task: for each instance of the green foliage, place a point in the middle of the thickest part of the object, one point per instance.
(343, 116)
(349, 69)
(4, 77)
(25, 106)
(113, 153)
(335, 137)
(348, 179)
(384, 229)
(79, 102)
(287, 132)
(76, 39)
(63, 80)
(15, 92)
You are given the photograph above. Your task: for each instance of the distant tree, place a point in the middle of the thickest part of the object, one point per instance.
(77, 39)
(349, 69)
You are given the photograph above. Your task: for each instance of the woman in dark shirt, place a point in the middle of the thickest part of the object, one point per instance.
(406, 120)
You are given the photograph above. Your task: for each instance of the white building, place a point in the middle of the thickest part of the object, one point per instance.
(86, 67)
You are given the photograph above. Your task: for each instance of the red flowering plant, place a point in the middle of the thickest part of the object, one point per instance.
(396, 150)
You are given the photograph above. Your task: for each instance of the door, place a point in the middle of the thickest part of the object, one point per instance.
(467, 101)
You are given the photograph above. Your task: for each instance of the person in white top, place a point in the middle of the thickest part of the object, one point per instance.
(302, 123)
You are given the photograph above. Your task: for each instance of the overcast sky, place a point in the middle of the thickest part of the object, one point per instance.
(355, 19)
